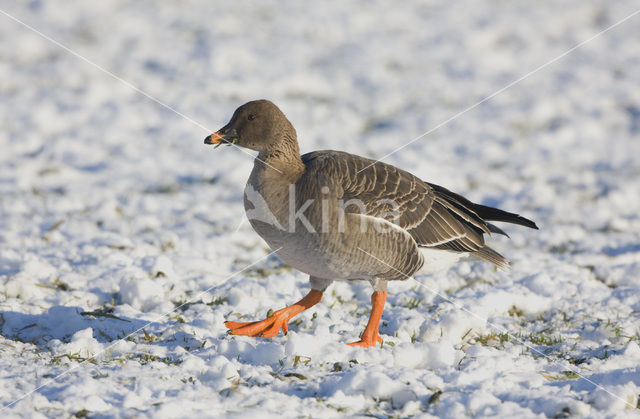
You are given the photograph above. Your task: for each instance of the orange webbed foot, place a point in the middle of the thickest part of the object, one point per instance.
(365, 342)
(266, 328)
(279, 320)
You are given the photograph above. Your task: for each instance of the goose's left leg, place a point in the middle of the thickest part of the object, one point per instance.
(370, 336)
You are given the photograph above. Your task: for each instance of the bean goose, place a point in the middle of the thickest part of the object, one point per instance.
(335, 215)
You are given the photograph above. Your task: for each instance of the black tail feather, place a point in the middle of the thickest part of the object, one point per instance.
(484, 212)
(495, 229)
(495, 214)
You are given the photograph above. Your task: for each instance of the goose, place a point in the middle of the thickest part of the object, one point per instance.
(339, 216)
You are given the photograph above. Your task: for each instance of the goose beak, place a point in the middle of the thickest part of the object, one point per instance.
(223, 136)
(215, 138)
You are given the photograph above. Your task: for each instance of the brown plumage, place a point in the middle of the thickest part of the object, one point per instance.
(335, 215)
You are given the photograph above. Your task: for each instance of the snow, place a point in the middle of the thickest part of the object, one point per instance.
(124, 248)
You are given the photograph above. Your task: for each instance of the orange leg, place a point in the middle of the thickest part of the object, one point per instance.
(370, 335)
(270, 326)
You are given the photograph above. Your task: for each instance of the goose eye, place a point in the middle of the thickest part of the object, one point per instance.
(251, 117)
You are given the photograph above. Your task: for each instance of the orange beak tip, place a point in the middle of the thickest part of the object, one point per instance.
(214, 139)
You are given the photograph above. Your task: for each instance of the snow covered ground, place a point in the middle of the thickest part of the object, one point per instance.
(113, 212)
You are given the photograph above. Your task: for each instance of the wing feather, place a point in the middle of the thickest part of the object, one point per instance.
(434, 216)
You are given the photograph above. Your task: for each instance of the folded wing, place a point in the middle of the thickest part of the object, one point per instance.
(434, 216)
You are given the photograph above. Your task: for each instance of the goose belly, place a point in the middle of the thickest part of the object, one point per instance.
(302, 253)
